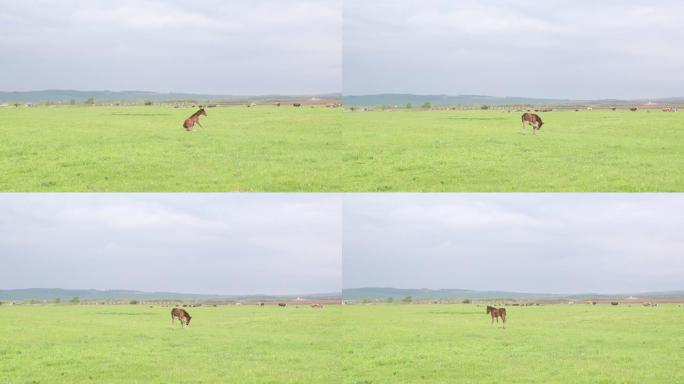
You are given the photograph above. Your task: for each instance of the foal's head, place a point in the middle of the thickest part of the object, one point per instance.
(202, 112)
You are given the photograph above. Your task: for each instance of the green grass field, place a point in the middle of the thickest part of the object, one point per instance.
(133, 149)
(356, 344)
(546, 344)
(145, 149)
(137, 344)
(481, 151)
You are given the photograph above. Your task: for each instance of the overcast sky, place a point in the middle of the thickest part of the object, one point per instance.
(242, 47)
(537, 48)
(190, 243)
(542, 243)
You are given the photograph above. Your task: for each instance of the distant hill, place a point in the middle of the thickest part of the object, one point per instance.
(426, 294)
(64, 96)
(401, 99)
(93, 294)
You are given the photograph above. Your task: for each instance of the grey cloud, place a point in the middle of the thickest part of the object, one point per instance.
(228, 244)
(566, 243)
(573, 49)
(207, 46)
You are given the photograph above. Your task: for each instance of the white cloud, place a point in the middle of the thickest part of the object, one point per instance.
(223, 243)
(236, 47)
(578, 49)
(564, 243)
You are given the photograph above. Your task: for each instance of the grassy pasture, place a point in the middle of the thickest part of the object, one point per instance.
(482, 151)
(137, 344)
(546, 344)
(145, 149)
(355, 344)
(132, 149)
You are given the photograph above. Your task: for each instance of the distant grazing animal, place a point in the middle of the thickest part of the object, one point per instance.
(316, 305)
(633, 109)
(182, 315)
(534, 120)
(614, 303)
(296, 105)
(281, 304)
(496, 313)
(190, 121)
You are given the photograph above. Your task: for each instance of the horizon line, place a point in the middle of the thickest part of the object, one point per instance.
(640, 98)
(174, 92)
(681, 290)
(170, 292)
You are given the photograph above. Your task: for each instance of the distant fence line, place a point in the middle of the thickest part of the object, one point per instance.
(169, 303)
(329, 103)
(520, 108)
(516, 303)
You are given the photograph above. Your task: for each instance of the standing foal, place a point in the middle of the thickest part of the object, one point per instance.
(534, 120)
(182, 315)
(496, 313)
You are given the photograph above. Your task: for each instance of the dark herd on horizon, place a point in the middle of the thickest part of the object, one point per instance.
(184, 317)
(496, 313)
(190, 122)
(534, 120)
(531, 118)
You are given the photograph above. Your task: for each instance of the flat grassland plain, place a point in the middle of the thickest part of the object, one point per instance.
(546, 344)
(145, 149)
(137, 344)
(485, 151)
